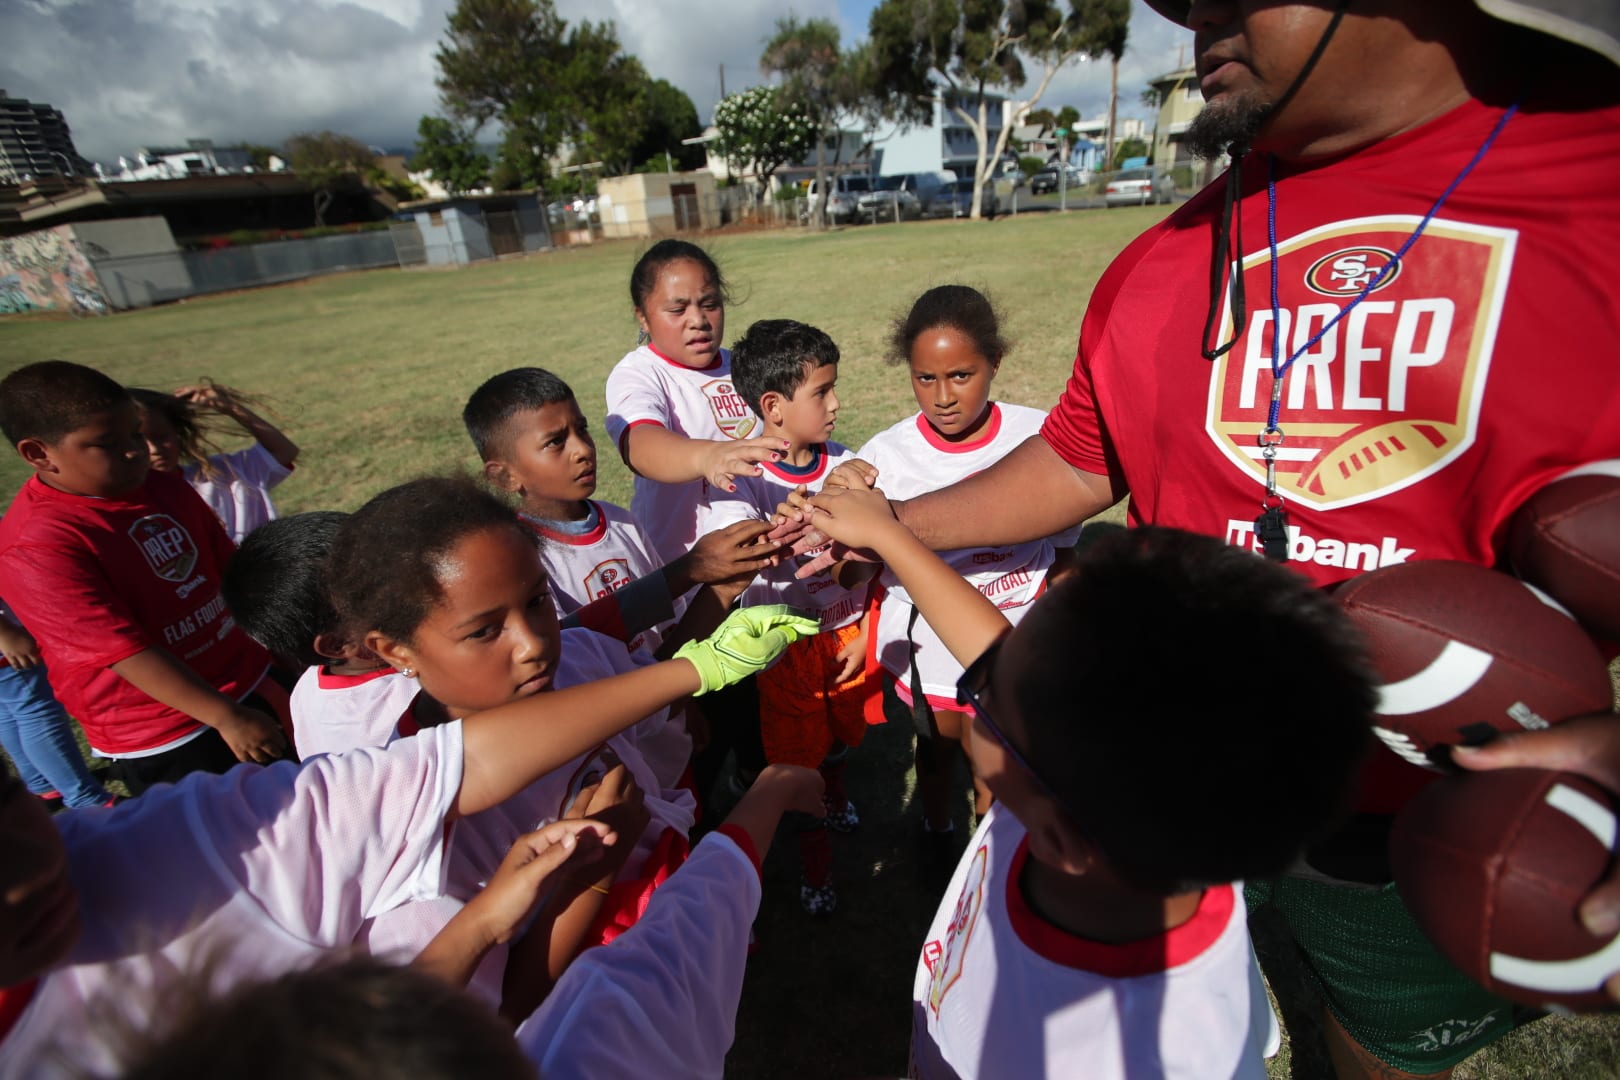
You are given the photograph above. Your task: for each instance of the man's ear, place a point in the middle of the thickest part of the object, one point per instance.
(397, 654)
(497, 473)
(37, 454)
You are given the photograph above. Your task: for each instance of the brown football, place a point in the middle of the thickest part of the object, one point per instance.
(1566, 539)
(1494, 866)
(1463, 652)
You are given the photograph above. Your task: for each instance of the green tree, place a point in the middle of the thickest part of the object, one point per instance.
(760, 133)
(607, 93)
(971, 51)
(668, 118)
(808, 58)
(327, 161)
(504, 60)
(1104, 27)
(447, 150)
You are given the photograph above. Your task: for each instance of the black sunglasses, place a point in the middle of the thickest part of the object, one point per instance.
(972, 689)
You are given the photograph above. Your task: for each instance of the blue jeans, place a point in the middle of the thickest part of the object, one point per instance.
(39, 740)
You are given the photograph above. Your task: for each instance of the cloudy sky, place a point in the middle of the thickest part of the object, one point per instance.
(133, 73)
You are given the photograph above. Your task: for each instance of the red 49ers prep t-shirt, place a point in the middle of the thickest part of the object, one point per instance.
(98, 580)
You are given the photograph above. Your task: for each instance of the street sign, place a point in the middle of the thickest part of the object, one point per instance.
(1061, 132)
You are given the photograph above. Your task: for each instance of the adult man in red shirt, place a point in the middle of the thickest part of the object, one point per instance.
(1421, 392)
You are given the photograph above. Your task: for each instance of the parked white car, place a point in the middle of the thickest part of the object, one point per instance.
(843, 198)
(1138, 187)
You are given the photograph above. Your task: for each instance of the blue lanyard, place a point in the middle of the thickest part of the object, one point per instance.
(1272, 437)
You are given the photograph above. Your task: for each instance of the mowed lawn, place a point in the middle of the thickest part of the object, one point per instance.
(368, 373)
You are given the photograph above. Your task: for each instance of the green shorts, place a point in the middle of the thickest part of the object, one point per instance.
(1386, 984)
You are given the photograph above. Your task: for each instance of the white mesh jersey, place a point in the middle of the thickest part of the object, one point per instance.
(239, 492)
(334, 713)
(481, 841)
(756, 499)
(1001, 992)
(662, 999)
(583, 568)
(699, 403)
(912, 459)
(238, 876)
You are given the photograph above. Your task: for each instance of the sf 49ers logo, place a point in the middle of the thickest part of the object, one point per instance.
(166, 546)
(607, 577)
(731, 412)
(946, 967)
(1385, 396)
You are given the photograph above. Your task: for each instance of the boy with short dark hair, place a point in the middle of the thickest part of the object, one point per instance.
(1095, 918)
(117, 573)
(812, 702)
(346, 697)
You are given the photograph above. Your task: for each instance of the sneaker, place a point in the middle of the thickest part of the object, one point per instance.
(841, 819)
(817, 899)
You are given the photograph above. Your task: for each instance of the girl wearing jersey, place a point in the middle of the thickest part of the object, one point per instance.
(952, 345)
(236, 486)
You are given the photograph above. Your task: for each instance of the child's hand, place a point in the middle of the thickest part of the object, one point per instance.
(734, 553)
(745, 644)
(617, 801)
(852, 656)
(18, 646)
(855, 518)
(571, 846)
(853, 473)
(208, 396)
(722, 461)
(253, 736)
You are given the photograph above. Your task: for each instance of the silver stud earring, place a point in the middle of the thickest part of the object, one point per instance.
(409, 673)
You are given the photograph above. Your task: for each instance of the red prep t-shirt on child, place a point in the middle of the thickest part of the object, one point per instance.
(98, 580)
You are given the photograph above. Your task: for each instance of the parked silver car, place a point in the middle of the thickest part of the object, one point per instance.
(843, 198)
(1138, 187)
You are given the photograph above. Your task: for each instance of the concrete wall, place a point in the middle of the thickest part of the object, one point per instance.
(47, 270)
(137, 260)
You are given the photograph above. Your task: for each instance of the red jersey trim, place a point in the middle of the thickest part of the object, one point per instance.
(991, 429)
(739, 836)
(14, 1001)
(577, 539)
(1148, 956)
(325, 680)
(809, 474)
(710, 366)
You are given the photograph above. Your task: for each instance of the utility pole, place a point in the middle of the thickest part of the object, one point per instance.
(722, 82)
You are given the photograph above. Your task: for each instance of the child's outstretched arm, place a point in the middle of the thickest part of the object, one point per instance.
(263, 431)
(508, 748)
(964, 620)
(659, 454)
(666, 990)
(496, 914)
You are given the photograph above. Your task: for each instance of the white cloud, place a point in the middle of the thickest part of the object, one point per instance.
(132, 73)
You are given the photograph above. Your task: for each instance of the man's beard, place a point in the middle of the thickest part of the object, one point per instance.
(1220, 126)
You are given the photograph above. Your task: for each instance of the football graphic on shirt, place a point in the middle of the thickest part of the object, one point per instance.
(731, 412)
(166, 546)
(1383, 390)
(1462, 652)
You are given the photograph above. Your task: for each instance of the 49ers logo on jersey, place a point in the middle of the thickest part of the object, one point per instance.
(945, 965)
(166, 545)
(1391, 392)
(607, 577)
(731, 412)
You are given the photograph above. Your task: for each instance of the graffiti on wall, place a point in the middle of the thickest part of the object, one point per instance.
(47, 271)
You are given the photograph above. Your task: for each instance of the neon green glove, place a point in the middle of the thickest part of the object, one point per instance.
(745, 644)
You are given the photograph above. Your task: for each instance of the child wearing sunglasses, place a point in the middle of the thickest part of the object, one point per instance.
(1176, 716)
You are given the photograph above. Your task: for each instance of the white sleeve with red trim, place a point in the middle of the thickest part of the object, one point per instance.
(634, 394)
(335, 713)
(661, 1000)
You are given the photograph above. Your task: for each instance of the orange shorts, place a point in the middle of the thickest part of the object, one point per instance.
(802, 712)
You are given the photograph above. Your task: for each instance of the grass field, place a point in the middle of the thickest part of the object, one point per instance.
(368, 373)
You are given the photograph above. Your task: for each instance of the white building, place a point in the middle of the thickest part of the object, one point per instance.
(945, 142)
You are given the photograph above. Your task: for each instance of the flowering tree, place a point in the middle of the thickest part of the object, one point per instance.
(760, 132)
